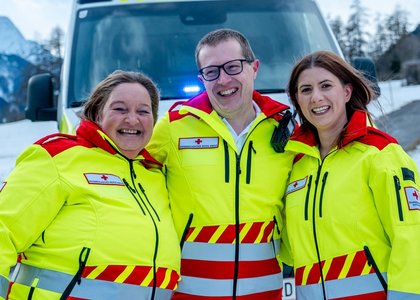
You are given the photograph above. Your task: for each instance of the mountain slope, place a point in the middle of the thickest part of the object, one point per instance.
(19, 60)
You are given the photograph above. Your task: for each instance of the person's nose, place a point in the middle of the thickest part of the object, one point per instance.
(316, 95)
(223, 77)
(132, 118)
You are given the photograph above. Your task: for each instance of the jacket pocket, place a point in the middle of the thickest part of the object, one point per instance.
(397, 185)
(83, 257)
(308, 191)
(371, 262)
(276, 242)
(186, 229)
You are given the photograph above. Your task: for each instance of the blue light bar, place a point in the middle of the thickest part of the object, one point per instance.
(191, 89)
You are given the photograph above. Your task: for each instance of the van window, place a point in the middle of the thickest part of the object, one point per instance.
(159, 39)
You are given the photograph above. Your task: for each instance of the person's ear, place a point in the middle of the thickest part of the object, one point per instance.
(348, 91)
(255, 66)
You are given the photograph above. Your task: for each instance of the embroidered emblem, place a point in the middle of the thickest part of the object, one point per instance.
(198, 143)
(2, 185)
(105, 179)
(413, 198)
(296, 185)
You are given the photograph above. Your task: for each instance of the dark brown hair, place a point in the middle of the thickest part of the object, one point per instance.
(362, 92)
(100, 95)
(215, 37)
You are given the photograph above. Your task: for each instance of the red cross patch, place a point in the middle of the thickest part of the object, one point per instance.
(105, 179)
(413, 198)
(296, 185)
(198, 143)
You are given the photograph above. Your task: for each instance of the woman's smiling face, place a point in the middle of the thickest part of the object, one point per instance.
(322, 97)
(127, 118)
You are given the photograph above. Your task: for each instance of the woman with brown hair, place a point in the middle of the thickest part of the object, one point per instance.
(352, 203)
(89, 214)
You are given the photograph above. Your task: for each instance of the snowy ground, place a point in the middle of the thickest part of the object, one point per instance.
(16, 136)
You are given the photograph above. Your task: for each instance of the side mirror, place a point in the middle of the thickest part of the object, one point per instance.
(40, 100)
(367, 67)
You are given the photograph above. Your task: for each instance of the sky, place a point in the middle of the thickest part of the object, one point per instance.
(333, 8)
(36, 18)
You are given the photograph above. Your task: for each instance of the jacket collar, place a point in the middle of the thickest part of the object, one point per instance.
(356, 128)
(93, 135)
(268, 106)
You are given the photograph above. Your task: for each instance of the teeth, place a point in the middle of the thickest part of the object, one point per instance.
(227, 92)
(320, 109)
(129, 131)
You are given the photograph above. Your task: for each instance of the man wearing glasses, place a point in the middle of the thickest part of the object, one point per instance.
(224, 177)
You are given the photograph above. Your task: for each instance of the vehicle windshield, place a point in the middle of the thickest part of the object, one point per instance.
(159, 39)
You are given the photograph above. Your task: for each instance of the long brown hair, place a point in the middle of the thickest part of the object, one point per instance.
(362, 92)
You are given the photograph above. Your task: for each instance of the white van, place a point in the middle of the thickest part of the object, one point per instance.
(158, 37)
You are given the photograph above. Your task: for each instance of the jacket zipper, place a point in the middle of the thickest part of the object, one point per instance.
(137, 196)
(147, 200)
(314, 232)
(133, 192)
(275, 227)
(307, 198)
(237, 229)
(372, 263)
(187, 228)
(227, 163)
(397, 190)
(83, 257)
(321, 197)
(251, 150)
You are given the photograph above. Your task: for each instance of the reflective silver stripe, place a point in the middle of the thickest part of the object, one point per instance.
(350, 286)
(4, 285)
(215, 287)
(89, 288)
(226, 252)
(394, 295)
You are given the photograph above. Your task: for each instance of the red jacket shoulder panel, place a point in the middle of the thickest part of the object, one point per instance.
(175, 115)
(56, 143)
(268, 106)
(377, 138)
(359, 130)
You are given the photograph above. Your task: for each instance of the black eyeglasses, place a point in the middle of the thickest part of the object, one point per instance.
(232, 67)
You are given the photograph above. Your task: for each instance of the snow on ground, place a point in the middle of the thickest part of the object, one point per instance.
(394, 95)
(16, 136)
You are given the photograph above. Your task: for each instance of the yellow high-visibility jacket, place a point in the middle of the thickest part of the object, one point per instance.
(87, 223)
(226, 202)
(353, 218)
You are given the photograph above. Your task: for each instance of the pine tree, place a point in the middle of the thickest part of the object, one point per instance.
(55, 42)
(338, 28)
(357, 36)
(396, 24)
(380, 41)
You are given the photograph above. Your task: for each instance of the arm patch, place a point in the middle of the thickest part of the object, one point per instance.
(408, 174)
